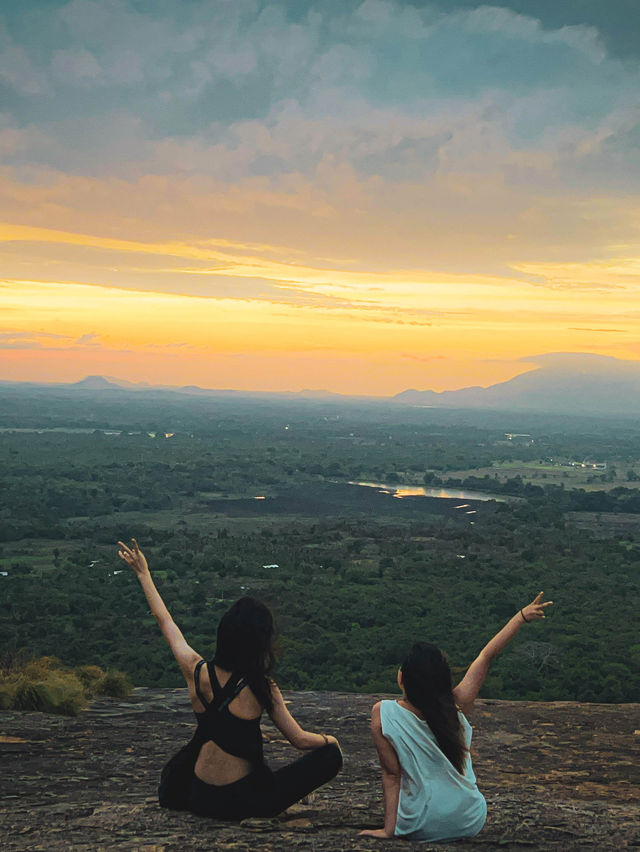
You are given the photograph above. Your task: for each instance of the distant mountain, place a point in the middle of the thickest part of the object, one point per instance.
(123, 383)
(561, 383)
(95, 383)
(567, 383)
(310, 393)
(111, 383)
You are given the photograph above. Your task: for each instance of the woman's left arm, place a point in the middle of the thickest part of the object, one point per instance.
(466, 692)
(184, 654)
(391, 777)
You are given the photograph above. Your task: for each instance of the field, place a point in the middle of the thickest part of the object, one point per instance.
(353, 574)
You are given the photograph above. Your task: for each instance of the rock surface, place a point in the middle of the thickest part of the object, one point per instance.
(555, 775)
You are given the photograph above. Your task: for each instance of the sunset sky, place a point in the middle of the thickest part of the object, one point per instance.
(360, 196)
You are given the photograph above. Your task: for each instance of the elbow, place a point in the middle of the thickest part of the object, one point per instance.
(392, 774)
(487, 657)
(302, 740)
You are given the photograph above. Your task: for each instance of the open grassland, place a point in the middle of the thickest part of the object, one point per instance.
(540, 473)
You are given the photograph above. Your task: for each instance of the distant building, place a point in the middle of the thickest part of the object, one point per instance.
(527, 440)
(594, 465)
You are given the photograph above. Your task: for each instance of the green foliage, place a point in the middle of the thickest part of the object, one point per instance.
(359, 574)
(90, 677)
(55, 692)
(115, 684)
(46, 685)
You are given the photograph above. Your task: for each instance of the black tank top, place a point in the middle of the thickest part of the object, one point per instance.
(236, 736)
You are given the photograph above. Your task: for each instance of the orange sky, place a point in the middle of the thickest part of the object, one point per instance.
(349, 215)
(372, 333)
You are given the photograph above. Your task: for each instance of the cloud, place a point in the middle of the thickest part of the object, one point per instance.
(48, 341)
(27, 339)
(426, 359)
(585, 361)
(250, 150)
(90, 339)
(598, 330)
(200, 71)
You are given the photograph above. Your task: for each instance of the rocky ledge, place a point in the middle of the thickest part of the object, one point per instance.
(556, 776)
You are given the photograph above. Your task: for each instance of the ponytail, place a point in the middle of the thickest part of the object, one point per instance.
(426, 678)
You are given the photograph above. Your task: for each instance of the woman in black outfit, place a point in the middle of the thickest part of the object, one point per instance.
(228, 695)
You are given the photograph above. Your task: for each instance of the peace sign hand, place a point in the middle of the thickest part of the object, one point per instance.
(536, 608)
(134, 557)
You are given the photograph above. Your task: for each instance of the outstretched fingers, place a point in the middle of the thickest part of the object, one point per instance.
(126, 553)
(536, 608)
(539, 608)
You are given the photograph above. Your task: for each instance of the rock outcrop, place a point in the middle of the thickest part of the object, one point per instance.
(556, 776)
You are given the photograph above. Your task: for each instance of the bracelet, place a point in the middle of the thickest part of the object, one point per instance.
(325, 738)
(526, 620)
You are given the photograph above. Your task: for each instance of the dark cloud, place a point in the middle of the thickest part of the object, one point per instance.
(617, 21)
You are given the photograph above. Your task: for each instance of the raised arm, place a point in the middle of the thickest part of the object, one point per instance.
(288, 727)
(184, 654)
(467, 690)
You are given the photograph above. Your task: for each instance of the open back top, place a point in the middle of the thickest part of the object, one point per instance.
(239, 737)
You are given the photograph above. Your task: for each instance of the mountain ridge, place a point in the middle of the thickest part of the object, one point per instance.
(560, 382)
(576, 384)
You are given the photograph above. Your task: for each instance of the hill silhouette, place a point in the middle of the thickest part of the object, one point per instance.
(568, 383)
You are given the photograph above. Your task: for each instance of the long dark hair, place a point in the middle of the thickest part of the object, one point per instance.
(245, 645)
(426, 678)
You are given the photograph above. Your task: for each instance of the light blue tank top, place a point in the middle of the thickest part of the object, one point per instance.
(436, 802)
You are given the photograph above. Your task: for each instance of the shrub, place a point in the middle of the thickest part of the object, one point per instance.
(49, 687)
(90, 677)
(55, 692)
(114, 684)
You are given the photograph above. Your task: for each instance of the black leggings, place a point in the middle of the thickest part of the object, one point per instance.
(264, 793)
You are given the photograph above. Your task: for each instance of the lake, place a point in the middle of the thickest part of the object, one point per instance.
(401, 491)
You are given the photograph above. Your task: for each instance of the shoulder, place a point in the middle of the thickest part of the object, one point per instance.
(188, 664)
(276, 697)
(192, 665)
(381, 711)
(275, 691)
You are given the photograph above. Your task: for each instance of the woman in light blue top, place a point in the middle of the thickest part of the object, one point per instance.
(423, 742)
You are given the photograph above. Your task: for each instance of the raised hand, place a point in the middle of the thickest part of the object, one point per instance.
(536, 608)
(133, 556)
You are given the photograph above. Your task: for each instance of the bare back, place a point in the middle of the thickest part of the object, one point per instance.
(214, 765)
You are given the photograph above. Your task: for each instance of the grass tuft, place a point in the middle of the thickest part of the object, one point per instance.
(114, 684)
(48, 686)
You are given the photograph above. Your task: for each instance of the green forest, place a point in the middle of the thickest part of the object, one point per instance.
(231, 495)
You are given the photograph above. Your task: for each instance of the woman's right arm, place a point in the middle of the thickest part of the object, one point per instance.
(185, 656)
(288, 727)
(391, 778)
(467, 690)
